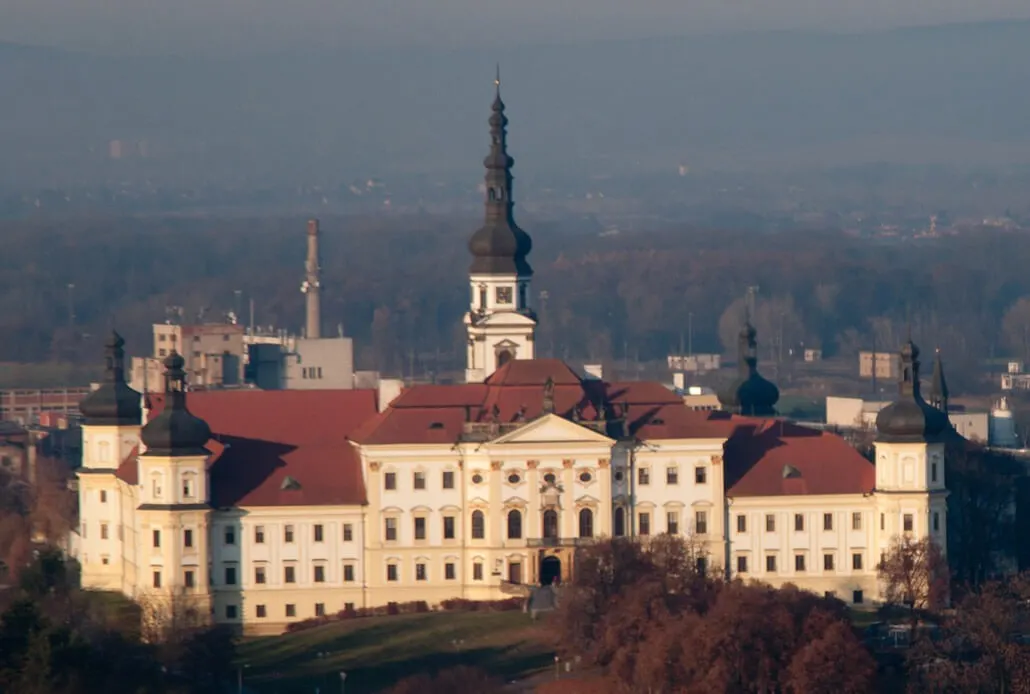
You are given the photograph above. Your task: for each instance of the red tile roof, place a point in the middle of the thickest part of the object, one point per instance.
(261, 437)
(515, 392)
(128, 471)
(765, 457)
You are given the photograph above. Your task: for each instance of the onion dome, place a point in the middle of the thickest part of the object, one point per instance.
(499, 246)
(114, 403)
(176, 431)
(910, 419)
(750, 393)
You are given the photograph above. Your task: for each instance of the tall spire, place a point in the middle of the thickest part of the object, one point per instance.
(499, 246)
(939, 386)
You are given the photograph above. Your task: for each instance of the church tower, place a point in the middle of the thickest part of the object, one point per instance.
(174, 514)
(910, 492)
(500, 324)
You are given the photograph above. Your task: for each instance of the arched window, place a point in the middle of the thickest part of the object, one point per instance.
(586, 523)
(551, 524)
(478, 527)
(620, 522)
(514, 524)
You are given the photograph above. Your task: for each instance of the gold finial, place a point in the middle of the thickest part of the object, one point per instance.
(497, 79)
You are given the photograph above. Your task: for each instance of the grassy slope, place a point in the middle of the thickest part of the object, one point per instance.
(377, 651)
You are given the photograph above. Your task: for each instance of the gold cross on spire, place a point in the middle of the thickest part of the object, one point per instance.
(497, 79)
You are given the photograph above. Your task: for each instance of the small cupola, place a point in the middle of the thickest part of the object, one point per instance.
(910, 419)
(114, 403)
(176, 431)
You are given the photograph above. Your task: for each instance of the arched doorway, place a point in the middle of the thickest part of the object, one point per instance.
(503, 357)
(550, 570)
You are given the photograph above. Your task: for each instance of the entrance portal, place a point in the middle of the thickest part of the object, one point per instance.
(550, 570)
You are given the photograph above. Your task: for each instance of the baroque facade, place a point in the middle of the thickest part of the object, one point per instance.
(266, 507)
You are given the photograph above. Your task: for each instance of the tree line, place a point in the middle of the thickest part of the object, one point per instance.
(397, 284)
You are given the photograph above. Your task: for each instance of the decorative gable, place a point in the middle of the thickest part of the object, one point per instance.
(552, 428)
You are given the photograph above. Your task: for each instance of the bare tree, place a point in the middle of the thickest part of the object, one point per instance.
(915, 574)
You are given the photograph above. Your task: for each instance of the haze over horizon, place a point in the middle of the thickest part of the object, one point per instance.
(227, 27)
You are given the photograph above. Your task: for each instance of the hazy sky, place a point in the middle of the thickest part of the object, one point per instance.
(231, 26)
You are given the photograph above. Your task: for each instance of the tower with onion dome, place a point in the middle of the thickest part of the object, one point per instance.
(500, 324)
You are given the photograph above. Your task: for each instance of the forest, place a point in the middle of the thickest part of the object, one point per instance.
(396, 283)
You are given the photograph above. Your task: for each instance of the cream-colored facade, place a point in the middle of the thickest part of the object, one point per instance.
(481, 519)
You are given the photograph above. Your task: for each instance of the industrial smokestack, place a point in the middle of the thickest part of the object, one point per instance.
(311, 285)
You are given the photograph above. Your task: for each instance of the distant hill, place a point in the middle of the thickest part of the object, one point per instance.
(954, 94)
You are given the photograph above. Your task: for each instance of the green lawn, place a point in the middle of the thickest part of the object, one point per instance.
(377, 651)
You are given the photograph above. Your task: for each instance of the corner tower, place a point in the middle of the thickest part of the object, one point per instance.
(500, 324)
(174, 515)
(911, 494)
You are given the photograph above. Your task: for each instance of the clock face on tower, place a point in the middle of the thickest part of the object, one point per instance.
(504, 295)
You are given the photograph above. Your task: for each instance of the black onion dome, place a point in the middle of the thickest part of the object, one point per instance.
(114, 403)
(758, 396)
(176, 431)
(910, 419)
(750, 393)
(499, 246)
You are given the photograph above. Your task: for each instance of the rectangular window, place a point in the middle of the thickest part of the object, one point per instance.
(348, 573)
(290, 574)
(741, 565)
(857, 597)
(799, 562)
(391, 572)
(770, 523)
(188, 579)
(390, 480)
(319, 573)
(103, 496)
(348, 607)
(261, 612)
(448, 527)
(187, 488)
(828, 562)
(827, 521)
(672, 520)
(448, 571)
(883, 521)
(103, 531)
(799, 522)
(448, 479)
(933, 472)
(420, 528)
(348, 532)
(187, 538)
(643, 477)
(701, 522)
(230, 575)
(318, 532)
(672, 475)
(741, 523)
(320, 609)
(856, 562)
(259, 574)
(157, 579)
(391, 529)
(856, 520)
(700, 475)
(908, 522)
(644, 523)
(230, 535)
(936, 522)
(259, 534)
(291, 610)
(288, 534)
(477, 571)
(419, 480)
(157, 538)
(420, 572)
(770, 563)
(230, 611)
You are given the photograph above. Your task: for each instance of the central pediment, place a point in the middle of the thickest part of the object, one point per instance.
(551, 428)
